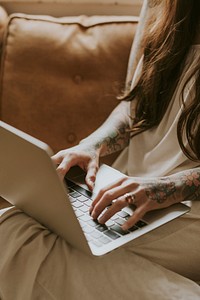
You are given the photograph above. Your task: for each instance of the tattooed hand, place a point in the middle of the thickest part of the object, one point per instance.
(147, 195)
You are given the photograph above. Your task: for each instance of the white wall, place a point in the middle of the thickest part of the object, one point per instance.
(73, 7)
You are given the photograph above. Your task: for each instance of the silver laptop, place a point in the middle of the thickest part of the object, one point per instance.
(28, 180)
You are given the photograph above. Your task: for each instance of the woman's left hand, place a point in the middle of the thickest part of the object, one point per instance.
(144, 194)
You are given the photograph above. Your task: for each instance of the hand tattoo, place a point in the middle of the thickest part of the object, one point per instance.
(160, 190)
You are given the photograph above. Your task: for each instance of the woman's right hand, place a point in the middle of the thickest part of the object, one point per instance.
(83, 155)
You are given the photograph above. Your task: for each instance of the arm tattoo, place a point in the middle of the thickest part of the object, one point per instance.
(115, 141)
(153, 3)
(185, 185)
(191, 185)
(160, 190)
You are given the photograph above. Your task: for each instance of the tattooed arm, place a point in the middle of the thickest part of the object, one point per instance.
(146, 195)
(179, 187)
(188, 184)
(112, 136)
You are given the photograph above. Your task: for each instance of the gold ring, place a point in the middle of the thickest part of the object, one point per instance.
(130, 198)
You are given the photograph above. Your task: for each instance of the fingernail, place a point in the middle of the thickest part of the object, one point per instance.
(100, 220)
(124, 227)
(93, 215)
(91, 184)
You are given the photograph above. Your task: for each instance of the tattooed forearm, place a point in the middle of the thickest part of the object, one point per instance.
(114, 134)
(178, 187)
(115, 141)
(160, 190)
(191, 184)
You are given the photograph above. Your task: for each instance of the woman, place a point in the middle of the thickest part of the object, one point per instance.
(157, 125)
(157, 122)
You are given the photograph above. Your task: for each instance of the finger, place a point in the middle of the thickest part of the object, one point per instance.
(57, 158)
(107, 199)
(116, 206)
(92, 169)
(137, 215)
(66, 162)
(91, 176)
(64, 167)
(109, 187)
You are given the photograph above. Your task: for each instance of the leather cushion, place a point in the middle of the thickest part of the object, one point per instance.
(60, 76)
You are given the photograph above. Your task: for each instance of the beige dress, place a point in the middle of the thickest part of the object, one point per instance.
(37, 264)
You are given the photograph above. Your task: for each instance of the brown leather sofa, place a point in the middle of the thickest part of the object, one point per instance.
(60, 76)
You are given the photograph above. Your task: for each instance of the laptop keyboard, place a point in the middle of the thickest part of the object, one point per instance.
(96, 233)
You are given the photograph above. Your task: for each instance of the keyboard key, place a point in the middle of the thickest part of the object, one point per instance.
(78, 213)
(118, 229)
(133, 228)
(77, 188)
(109, 223)
(88, 202)
(70, 190)
(85, 218)
(123, 214)
(104, 240)
(96, 243)
(93, 223)
(88, 229)
(84, 208)
(102, 228)
(120, 221)
(111, 234)
(141, 224)
(77, 204)
(113, 218)
(82, 198)
(96, 234)
(74, 194)
(71, 199)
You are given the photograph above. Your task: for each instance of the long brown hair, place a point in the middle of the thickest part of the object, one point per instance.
(165, 51)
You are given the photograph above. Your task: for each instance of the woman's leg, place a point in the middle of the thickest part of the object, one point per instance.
(37, 264)
(175, 245)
